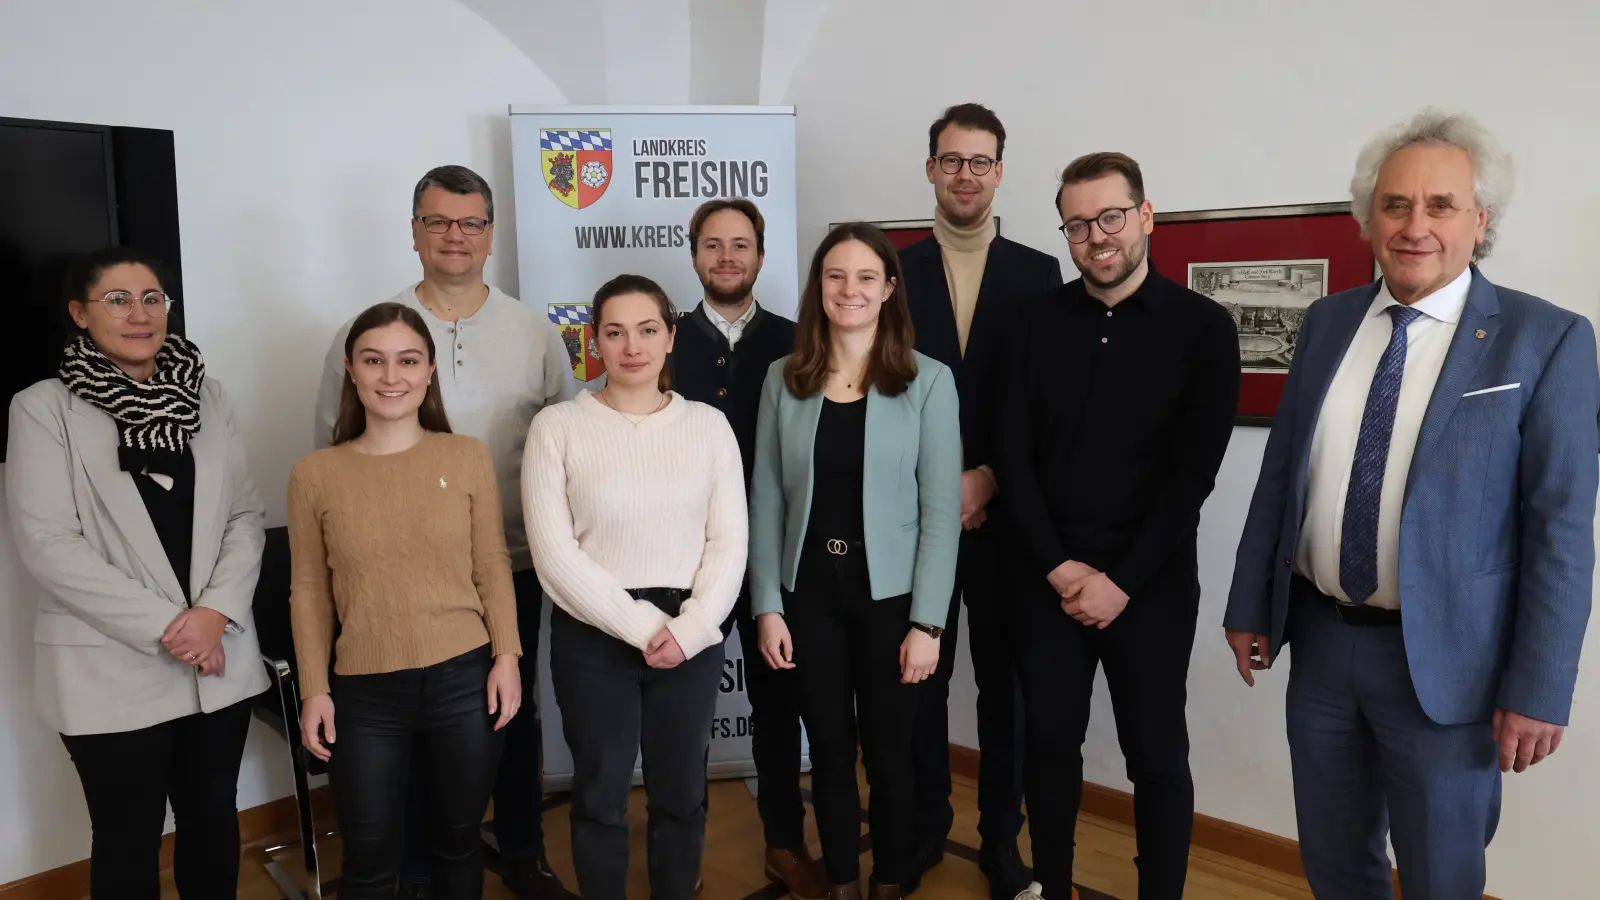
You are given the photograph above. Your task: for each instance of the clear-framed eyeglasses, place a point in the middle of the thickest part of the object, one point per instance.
(1111, 221)
(951, 163)
(120, 303)
(441, 225)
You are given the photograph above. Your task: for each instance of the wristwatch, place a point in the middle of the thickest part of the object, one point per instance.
(932, 631)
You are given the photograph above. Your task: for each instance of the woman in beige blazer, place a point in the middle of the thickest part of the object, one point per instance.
(132, 505)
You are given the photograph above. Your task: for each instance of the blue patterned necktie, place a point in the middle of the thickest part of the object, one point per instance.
(1358, 543)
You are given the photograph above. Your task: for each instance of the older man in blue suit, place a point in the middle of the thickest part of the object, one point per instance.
(1422, 533)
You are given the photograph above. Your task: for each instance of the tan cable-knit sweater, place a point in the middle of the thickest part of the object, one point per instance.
(406, 549)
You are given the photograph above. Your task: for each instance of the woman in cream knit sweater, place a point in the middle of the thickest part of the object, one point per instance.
(635, 510)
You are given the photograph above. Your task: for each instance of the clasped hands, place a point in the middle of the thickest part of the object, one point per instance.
(194, 638)
(1087, 595)
(663, 652)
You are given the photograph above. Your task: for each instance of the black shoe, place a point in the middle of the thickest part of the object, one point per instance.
(1007, 876)
(925, 856)
(412, 890)
(531, 879)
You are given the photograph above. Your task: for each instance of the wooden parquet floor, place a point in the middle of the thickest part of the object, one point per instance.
(733, 860)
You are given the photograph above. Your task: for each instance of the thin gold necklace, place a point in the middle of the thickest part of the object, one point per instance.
(848, 384)
(627, 415)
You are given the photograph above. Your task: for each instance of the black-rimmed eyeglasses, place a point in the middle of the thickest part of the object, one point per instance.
(1110, 221)
(951, 163)
(120, 303)
(441, 225)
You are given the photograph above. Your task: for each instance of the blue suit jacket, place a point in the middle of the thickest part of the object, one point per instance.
(1497, 527)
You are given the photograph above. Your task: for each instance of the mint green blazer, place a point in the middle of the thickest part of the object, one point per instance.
(911, 484)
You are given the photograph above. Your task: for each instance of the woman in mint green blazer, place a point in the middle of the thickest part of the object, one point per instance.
(855, 516)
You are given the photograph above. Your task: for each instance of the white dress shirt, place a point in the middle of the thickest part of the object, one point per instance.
(731, 330)
(1333, 445)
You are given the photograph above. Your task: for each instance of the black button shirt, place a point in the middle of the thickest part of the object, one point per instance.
(1113, 426)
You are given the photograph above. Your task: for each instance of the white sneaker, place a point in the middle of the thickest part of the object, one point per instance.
(1034, 891)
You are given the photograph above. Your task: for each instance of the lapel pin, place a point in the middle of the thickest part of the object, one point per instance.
(1482, 334)
(441, 484)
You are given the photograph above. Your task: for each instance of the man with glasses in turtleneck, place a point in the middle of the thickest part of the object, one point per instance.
(964, 284)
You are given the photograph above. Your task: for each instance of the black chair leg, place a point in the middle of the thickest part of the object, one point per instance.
(283, 682)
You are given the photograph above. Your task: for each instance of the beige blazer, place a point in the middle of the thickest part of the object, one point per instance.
(109, 592)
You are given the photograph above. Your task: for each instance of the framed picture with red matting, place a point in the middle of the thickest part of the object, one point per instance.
(1265, 265)
(902, 233)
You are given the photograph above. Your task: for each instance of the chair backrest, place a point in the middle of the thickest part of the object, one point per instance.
(271, 606)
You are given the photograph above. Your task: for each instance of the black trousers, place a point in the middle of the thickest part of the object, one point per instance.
(129, 776)
(519, 782)
(613, 707)
(436, 719)
(983, 583)
(847, 659)
(1145, 652)
(775, 741)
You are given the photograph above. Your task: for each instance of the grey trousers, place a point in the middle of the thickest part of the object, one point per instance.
(613, 706)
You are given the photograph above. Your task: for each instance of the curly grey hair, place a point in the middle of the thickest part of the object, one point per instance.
(457, 180)
(1492, 172)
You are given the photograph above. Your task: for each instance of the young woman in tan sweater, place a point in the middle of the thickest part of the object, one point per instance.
(396, 535)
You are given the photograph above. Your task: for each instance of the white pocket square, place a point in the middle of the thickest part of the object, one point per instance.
(1492, 390)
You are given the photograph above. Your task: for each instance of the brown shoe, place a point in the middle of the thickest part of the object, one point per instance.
(797, 871)
(851, 891)
(886, 892)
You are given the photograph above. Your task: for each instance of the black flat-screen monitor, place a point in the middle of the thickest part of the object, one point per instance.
(67, 189)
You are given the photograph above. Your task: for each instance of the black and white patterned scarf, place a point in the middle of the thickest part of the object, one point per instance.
(155, 418)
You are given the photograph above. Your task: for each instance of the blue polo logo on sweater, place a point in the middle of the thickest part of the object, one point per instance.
(576, 325)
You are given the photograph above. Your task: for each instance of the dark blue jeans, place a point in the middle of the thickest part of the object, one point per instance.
(615, 709)
(519, 782)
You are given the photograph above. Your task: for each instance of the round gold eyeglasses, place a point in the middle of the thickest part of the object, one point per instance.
(120, 303)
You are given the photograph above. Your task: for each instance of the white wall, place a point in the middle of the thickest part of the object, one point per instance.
(725, 49)
(301, 127)
(1234, 104)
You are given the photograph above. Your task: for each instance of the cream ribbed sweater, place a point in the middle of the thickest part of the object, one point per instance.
(406, 550)
(965, 253)
(612, 506)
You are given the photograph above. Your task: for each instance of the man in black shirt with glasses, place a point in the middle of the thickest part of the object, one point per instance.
(1109, 439)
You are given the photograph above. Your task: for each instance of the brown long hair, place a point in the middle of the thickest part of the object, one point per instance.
(892, 362)
(352, 422)
(638, 284)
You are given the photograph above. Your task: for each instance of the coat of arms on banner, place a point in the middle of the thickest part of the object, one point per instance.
(576, 164)
(576, 325)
